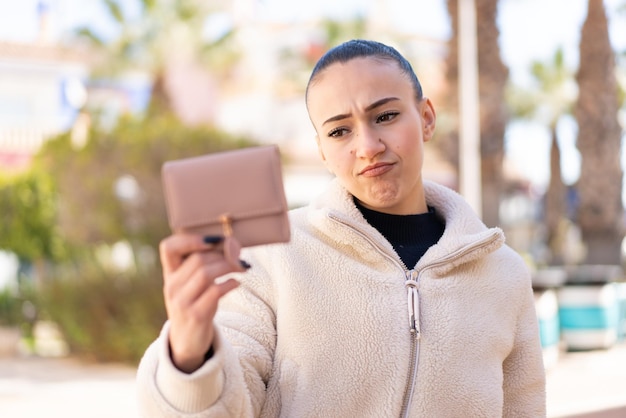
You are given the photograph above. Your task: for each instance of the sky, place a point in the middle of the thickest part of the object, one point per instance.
(530, 30)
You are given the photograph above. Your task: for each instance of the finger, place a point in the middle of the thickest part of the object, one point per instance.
(232, 248)
(227, 286)
(202, 279)
(208, 300)
(174, 281)
(175, 248)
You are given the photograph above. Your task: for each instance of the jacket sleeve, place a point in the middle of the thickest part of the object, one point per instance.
(524, 373)
(215, 390)
(232, 382)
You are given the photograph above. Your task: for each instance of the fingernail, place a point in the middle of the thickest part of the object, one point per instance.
(213, 239)
(245, 264)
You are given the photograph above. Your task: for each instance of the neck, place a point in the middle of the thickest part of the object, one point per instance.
(417, 208)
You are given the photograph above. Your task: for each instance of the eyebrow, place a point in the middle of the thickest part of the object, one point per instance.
(370, 107)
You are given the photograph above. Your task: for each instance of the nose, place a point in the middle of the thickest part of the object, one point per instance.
(368, 143)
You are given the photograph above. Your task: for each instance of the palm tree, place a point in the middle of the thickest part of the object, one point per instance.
(600, 213)
(493, 76)
(164, 33)
(448, 140)
(492, 79)
(552, 98)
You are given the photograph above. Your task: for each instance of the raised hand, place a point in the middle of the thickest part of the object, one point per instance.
(191, 264)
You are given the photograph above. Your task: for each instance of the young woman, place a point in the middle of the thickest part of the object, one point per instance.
(391, 300)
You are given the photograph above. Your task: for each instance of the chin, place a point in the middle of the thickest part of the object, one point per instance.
(383, 197)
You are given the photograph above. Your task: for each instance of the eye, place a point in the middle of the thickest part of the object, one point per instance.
(337, 132)
(386, 116)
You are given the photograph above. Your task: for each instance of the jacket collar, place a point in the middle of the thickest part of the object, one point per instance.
(466, 238)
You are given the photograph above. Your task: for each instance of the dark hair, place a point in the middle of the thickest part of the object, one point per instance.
(360, 48)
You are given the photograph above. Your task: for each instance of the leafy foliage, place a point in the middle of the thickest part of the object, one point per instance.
(10, 311)
(152, 36)
(92, 207)
(107, 313)
(76, 201)
(28, 208)
(552, 95)
(105, 316)
(550, 98)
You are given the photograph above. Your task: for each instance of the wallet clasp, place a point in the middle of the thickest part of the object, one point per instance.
(227, 227)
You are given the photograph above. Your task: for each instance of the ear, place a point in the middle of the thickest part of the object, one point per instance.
(429, 118)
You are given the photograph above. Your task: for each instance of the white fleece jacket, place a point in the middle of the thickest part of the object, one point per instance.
(321, 327)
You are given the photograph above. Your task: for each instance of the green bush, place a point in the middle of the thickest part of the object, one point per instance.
(17, 310)
(105, 316)
(28, 216)
(10, 308)
(90, 209)
(69, 207)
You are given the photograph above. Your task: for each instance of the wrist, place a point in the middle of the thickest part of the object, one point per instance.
(209, 353)
(189, 364)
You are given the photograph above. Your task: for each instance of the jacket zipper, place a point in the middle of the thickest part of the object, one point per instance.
(412, 281)
(412, 285)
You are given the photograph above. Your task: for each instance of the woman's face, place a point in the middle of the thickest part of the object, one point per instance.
(370, 132)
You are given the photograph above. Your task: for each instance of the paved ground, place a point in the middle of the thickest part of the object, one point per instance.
(64, 388)
(579, 384)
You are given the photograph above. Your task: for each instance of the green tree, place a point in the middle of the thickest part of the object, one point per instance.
(110, 189)
(106, 192)
(163, 33)
(600, 212)
(551, 98)
(29, 210)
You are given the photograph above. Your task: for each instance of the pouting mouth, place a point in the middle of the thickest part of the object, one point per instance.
(376, 169)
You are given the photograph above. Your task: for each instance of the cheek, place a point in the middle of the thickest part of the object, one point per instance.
(337, 156)
(336, 165)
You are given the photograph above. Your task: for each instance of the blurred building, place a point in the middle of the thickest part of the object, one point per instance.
(45, 85)
(41, 89)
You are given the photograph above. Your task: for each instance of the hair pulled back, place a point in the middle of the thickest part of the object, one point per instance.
(361, 48)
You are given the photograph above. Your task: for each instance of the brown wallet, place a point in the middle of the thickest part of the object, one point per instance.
(233, 193)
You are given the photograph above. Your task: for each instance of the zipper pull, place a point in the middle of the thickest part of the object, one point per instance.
(413, 303)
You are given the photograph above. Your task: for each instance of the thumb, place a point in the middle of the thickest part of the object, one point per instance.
(227, 286)
(232, 248)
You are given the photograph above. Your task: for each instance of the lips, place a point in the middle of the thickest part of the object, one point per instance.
(375, 170)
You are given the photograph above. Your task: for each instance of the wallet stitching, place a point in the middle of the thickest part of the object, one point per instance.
(234, 217)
